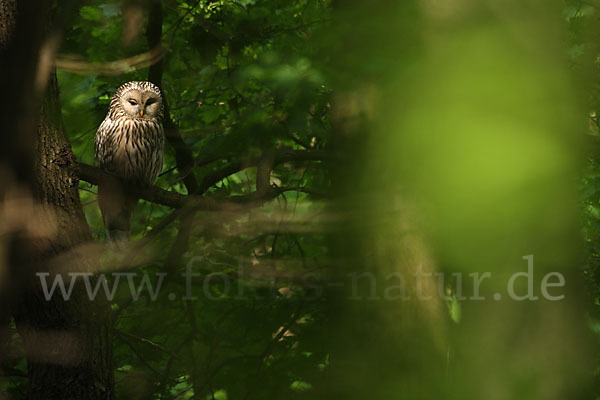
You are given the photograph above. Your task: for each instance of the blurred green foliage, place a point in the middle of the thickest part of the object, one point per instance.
(475, 123)
(460, 124)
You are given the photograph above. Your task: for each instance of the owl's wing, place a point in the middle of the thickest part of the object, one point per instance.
(158, 155)
(104, 142)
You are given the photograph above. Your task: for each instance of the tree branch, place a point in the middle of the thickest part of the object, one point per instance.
(215, 177)
(95, 176)
(148, 341)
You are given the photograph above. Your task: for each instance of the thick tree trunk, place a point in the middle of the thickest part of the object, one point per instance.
(66, 342)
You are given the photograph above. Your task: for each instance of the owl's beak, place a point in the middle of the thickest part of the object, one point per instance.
(141, 113)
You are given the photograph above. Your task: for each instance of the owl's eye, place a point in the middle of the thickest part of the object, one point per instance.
(132, 102)
(150, 101)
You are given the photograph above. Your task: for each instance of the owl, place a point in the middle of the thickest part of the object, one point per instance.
(129, 144)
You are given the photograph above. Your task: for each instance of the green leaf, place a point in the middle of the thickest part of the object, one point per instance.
(90, 13)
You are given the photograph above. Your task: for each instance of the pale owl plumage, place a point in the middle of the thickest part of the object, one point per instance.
(129, 144)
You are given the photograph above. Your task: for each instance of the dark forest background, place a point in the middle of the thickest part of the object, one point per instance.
(320, 155)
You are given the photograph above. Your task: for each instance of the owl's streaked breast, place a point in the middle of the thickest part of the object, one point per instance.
(131, 148)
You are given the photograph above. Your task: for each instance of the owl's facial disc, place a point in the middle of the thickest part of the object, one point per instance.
(131, 101)
(141, 105)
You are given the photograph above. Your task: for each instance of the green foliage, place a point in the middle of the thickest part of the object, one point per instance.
(584, 55)
(435, 103)
(241, 78)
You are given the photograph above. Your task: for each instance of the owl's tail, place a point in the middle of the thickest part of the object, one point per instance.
(117, 209)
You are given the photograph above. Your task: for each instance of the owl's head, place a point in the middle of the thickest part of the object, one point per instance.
(140, 100)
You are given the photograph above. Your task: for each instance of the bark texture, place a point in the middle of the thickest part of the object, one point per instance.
(67, 342)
